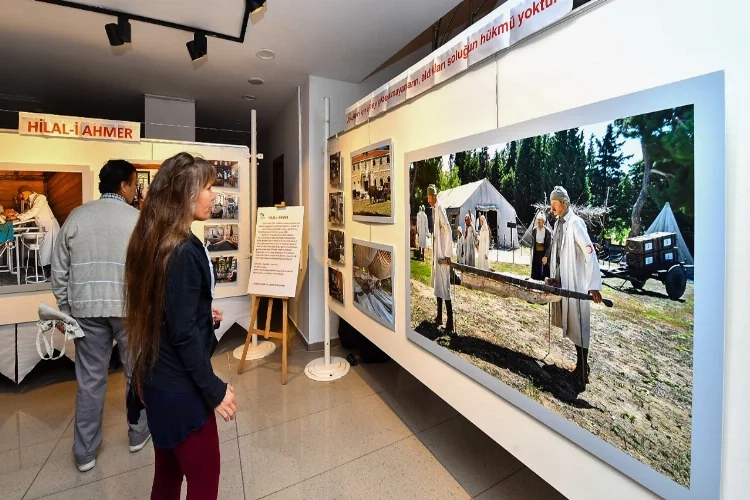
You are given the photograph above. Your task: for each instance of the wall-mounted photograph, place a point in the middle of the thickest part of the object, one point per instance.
(336, 245)
(145, 173)
(336, 284)
(221, 238)
(372, 189)
(226, 269)
(562, 266)
(227, 174)
(336, 178)
(372, 281)
(226, 206)
(336, 208)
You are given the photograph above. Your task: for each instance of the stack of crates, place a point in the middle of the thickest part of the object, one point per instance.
(652, 252)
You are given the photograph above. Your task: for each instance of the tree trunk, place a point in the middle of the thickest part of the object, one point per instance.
(635, 219)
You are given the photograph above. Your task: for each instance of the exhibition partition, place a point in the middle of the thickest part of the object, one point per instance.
(25, 157)
(659, 415)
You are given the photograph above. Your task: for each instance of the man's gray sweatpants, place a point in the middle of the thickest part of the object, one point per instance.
(93, 352)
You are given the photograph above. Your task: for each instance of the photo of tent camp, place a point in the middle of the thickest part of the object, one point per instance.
(226, 269)
(225, 206)
(334, 169)
(221, 238)
(372, 283)
(623, 373)
(336, 243)
(336, 208)
(336, 284)
(227, 173)
(372, 191)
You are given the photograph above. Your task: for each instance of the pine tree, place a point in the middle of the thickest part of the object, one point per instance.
(607, 173)
(525, 174)
(496, 170)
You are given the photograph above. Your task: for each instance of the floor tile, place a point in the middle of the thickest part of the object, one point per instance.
(405, 469)
(281, 456)
(474, 460)
(19, 468)
(523, 484)
(60, 473)
(418, 406)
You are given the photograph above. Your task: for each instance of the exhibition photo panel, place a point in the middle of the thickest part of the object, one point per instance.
(336, 208)
(227, 174)
(371, 186)
(519, 298)
(225, 268)
(372, 281)
(336, 246)
(221, 238)
(225, 206)
(336, 284)
(336, 179)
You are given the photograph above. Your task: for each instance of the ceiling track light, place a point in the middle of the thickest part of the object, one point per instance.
(198, 46)
(118, 33)
(256, 5)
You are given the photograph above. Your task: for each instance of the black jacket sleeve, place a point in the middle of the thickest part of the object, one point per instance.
(183, 317)
(547, 243)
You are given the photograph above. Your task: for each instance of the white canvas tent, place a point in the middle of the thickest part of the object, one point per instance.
(481, 197)
(665, 222)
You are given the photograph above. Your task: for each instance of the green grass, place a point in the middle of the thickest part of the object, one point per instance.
(422, 272)
(364, 207)
(507, 267)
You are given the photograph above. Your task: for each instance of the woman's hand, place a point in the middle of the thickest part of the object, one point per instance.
(227, 407)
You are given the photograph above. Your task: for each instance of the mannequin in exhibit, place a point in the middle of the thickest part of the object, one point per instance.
(483, 257)
(442, 252)
(573, 266)
(471, 242)
(423, 227)
(541, 239)
(40, 210)
(460, 245)
(88, 265)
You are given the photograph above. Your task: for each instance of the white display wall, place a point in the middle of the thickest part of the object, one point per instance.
(18, 152)
(619, 48)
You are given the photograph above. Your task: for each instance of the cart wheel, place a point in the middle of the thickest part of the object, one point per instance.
(675, 282)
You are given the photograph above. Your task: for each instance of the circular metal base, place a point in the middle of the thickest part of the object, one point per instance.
(318, 370)
(263, 349)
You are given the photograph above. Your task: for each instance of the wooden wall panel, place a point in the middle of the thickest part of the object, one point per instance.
(64, 193)
(9, 189)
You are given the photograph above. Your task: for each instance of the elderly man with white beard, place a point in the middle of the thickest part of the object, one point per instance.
(573, 266)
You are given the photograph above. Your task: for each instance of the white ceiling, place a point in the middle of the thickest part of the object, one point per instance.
(57, 54)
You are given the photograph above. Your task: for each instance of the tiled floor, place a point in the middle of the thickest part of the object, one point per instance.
(376, 433)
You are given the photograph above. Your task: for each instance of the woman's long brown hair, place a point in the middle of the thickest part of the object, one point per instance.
(164, 223)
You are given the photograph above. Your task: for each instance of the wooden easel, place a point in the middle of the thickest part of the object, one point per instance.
(282, 335)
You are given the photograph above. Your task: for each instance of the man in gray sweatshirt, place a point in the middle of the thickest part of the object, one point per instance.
(88, 267)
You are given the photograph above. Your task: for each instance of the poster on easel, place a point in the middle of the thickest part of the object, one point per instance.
(276, 255)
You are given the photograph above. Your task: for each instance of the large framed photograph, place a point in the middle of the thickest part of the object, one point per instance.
(336, 284)
(226, 206)
(225, 268)
(336, 208)
(336, 246)
(599, 201)
(372, 281)
(221, 238)
(227, 174)
(372, 190)
(336, 177)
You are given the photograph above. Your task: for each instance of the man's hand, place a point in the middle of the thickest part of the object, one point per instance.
(596, 295)
(544, 261)
(551, 282)
(227, 407)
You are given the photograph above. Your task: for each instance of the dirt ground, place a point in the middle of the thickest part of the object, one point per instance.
(640, 392)
(365, 207)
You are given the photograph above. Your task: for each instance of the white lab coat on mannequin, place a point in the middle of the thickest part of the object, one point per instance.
(579, 271)
(442, 247)
(41, 211)
(423, 227)
(483, 258)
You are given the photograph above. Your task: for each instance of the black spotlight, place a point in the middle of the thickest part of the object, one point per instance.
(198, 46)
(119, 33)
(255, 5)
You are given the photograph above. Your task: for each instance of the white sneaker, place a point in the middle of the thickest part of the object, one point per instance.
(138, 447)
(86, 467)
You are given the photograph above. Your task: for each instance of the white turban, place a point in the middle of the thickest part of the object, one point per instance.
(431, 190)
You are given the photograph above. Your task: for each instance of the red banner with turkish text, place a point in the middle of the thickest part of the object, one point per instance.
(78, 128)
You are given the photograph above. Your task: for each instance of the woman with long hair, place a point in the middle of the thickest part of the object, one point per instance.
(169, 287)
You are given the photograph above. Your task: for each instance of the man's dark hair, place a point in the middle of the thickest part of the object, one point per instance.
(113, 173)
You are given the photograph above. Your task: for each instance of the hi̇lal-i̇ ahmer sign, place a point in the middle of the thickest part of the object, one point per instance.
(78, 128)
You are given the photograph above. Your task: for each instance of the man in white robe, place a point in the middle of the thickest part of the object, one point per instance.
(483, 257)
(574, 266)
(442, 252)
(460, 245)
(470, 242)
(46, 221)
(423, 228)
